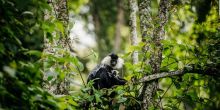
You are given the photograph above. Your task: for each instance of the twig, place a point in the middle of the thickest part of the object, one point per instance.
(164, 93)
(80, 73)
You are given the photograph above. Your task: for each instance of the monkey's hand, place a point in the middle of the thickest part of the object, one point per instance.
(115, 72)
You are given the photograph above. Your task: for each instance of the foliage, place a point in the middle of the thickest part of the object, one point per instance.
(197, 43)
(22, 31)
(192, 37)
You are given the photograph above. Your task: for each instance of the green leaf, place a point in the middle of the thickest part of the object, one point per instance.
(132, 94)
(73, 102)
(34, 52)
(2, 48)
(49, 78)
(81, 67)
(78, 64)
(49, 36)
(9, 70)
(97, 97)
(28, 13)
(62, 75)
(122, 99)
(60, 27)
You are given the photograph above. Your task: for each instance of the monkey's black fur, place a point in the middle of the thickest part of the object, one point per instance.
(104, 76)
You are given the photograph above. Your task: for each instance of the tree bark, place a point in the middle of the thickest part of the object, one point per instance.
(146, 22)
(63, 16)
(133, 23)
(210, 70)
(61, 13)
(155, 48)
(146, 26)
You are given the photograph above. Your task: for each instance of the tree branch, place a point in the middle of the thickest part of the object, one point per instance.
(209, 70)
(160, 75)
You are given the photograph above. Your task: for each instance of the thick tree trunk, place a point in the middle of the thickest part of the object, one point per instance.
(133, 23)
(146, 21)
(63, 16)
(155, 47)
(61, 13)
(146, 24)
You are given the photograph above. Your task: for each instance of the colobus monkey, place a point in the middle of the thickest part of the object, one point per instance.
(105, 74)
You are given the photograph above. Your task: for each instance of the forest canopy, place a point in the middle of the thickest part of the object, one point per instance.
(171, 52)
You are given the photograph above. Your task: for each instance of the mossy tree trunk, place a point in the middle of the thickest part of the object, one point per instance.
(61, 41)
(152, 34)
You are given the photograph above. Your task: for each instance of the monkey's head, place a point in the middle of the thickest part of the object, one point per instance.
(113, 61)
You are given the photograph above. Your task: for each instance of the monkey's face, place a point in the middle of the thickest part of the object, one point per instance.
(114, 61)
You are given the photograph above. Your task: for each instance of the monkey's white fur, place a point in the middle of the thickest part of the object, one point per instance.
(119, 65)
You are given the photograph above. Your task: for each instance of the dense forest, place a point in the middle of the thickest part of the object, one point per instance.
(171, 52)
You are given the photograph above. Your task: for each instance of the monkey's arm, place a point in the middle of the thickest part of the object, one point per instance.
(117, 80)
